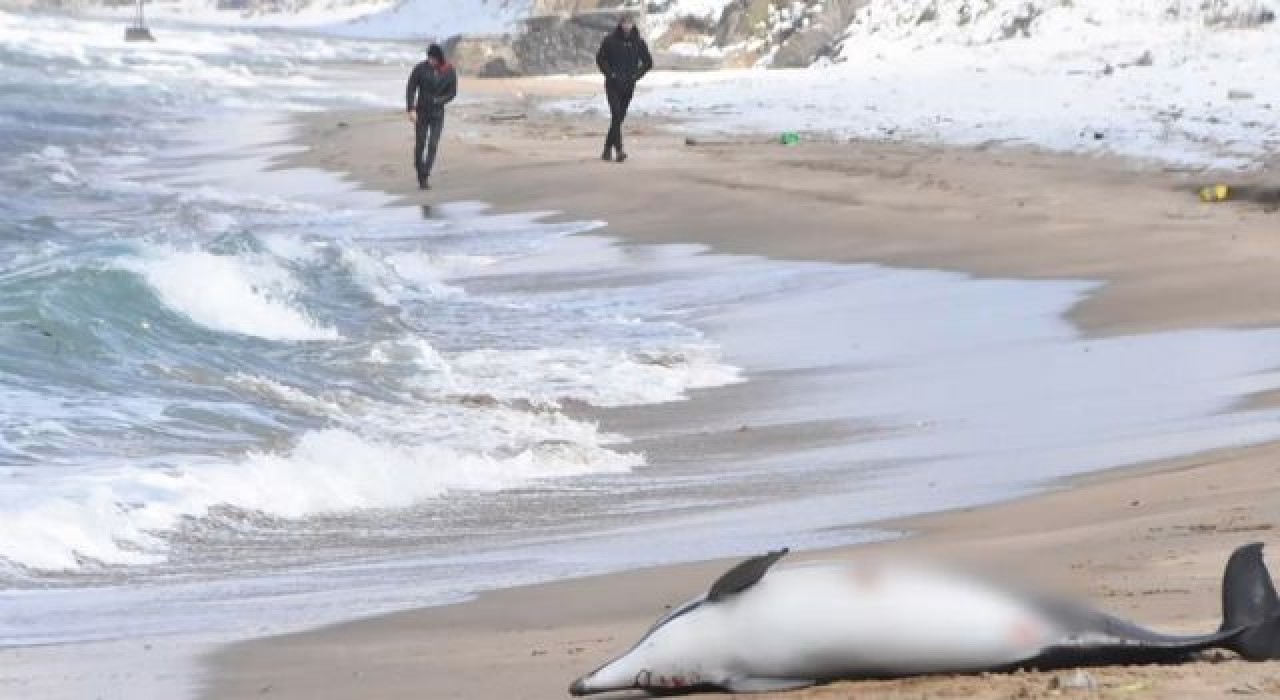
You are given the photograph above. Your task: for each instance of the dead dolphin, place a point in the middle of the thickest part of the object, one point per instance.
(759, 630)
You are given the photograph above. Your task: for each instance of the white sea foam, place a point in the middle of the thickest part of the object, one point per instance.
(280, 392)
(203, 66)
(429, 270)
(412, 19)
(54, 162)
(416, 399)
(597, 375)
(409, 350)
(118, 515)
(251, 295)
(378, 456)
(393, 279)
(295, 248)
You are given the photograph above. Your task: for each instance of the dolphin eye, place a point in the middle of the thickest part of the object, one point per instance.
(644, 679)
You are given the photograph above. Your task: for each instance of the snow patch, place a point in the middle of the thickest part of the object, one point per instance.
(1150, 79)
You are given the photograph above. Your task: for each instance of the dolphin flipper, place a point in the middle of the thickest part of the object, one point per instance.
(744, 575)
(767, 685)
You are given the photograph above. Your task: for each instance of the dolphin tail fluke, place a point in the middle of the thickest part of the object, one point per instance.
(1250, 605)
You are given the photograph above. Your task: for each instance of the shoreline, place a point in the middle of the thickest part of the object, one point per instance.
(530, 641)
(511, 633)
(988, 212)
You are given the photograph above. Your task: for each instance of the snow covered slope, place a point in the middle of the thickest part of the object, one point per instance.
(664, 13)
(1061, 22)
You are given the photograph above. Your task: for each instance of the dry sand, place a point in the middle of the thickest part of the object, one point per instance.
(1148, 542)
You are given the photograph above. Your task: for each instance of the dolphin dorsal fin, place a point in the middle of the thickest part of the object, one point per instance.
(744, 575)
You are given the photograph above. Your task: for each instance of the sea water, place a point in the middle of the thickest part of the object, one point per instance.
(238, 402)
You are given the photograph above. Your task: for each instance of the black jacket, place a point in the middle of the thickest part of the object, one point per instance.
(623, 56)
(430, 88)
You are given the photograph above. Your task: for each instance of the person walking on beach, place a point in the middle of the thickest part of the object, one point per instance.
(432, 85)
(623, 58)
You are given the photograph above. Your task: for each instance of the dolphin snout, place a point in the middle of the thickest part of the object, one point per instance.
(604, 679)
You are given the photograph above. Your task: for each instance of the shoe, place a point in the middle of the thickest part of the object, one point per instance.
(622, 156)
(422, 181)
(607, 155)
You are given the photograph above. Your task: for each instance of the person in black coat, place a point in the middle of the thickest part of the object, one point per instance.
(432, 85)
(624, 59)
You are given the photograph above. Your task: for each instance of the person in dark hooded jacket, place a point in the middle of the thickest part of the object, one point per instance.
(432, 85)
(624, 59)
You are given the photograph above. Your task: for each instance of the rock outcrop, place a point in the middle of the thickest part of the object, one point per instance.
(817, 34)
(781, 33)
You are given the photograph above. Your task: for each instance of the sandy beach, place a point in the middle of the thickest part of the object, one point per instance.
(1147, 542)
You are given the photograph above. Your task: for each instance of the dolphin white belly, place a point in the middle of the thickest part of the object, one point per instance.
(830, 621)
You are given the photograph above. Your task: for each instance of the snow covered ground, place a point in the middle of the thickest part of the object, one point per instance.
(1192, 82)
(659, 21)
(1173, 80)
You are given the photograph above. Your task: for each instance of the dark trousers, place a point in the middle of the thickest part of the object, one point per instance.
(619, 93)
(426, 134)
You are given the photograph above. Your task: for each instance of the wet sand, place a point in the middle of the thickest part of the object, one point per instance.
(1169, 260)
(1147, 542)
